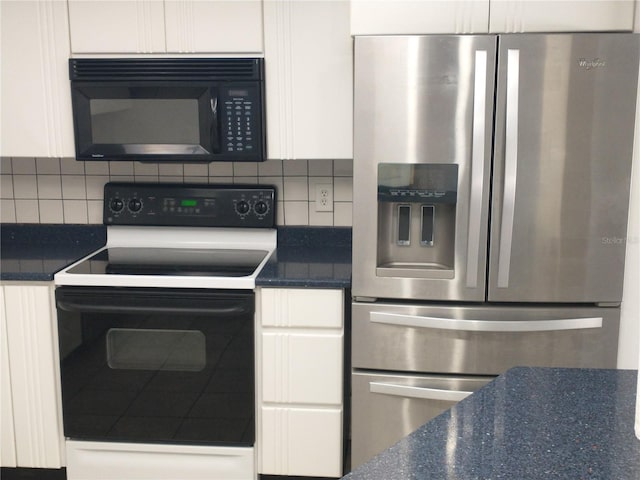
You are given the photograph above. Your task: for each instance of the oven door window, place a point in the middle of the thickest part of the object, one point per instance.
(157, 365)
(156, 350)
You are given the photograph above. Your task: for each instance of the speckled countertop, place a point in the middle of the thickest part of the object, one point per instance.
(36, 252)
(530, 423)
(306, 256)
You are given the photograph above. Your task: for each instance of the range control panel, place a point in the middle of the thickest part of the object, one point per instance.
(194, 205)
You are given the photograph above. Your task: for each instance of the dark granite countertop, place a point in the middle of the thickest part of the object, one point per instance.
(317, 257)
(530, 423)
(36, 252)
(306, 256)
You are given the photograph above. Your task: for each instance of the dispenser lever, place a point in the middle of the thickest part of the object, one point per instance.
(404, 225)
(426, 230)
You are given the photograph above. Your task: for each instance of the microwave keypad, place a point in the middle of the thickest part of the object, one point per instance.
(239, 127)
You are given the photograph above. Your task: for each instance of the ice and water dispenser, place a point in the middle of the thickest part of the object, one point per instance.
(416, 220)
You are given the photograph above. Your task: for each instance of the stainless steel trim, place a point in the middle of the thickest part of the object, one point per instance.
(486, 325)
(429, 271)
(417, 392)
(511, 166)
(477, 167)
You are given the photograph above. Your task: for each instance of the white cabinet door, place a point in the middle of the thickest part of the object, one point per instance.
(302, 307)
(122, 26)
(35, 392)
(301, 441)
(561, 15)
(302, 368)
(171, 26)
(7, 434)
(308, 61)
(36, 99)
(300, 376)
(221, 26)
(382, 17)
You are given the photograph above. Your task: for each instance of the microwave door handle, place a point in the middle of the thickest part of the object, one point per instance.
(489, 326)
(215, 124)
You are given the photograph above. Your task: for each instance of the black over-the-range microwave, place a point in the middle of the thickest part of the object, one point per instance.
(168, 109)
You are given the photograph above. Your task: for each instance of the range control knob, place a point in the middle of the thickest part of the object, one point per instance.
(261, 207)
(243, 207)
(135, 205)
(116, 205)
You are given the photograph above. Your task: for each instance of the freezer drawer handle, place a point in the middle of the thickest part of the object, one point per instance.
(418, 392)
(510, 167)
(486, 325)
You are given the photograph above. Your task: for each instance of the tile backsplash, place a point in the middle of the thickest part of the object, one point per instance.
(63, 190)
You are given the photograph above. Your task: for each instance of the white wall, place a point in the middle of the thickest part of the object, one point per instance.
(628, 352)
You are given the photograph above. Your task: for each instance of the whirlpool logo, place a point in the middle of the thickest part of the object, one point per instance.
(590, 64)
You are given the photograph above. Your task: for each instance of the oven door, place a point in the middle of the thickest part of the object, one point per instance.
(157, 365)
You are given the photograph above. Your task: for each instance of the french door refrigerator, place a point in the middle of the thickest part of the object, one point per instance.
(491, 189)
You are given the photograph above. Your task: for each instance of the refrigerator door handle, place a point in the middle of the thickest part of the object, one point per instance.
(496, 326)
(417, 392)
(510, 167)
(477, 167)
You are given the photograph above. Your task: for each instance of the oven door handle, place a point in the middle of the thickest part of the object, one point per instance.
(486, 325)
(74, 306)
(407, 391)
(147, 301)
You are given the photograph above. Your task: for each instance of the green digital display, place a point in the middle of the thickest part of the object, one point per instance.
(188, 203)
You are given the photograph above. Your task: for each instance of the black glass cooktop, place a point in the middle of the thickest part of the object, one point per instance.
(171, 262)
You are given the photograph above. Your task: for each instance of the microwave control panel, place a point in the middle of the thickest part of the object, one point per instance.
(241, 123)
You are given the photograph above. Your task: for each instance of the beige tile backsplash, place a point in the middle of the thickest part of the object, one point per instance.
(53, 190)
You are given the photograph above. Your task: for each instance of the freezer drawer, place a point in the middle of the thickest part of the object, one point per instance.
(388, 407)
(481, 340)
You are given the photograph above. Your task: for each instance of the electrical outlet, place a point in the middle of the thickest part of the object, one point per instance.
(324, 197)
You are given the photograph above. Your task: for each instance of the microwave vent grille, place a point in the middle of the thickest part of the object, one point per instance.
(165, 69)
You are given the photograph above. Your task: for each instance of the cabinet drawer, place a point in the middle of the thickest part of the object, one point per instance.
(316, 308)
(301, 441)
(301, 368)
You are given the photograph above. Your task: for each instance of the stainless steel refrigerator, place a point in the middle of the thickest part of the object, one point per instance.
(491, 192)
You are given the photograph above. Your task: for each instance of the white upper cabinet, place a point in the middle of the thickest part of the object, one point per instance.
(405, 17)
(36, 99)
(561, 15)
(308, 61)
(380, 17)
(169, 26)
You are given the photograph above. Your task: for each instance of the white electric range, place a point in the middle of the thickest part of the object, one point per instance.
(156, 334)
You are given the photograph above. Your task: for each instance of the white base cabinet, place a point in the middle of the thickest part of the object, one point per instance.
(7, 431)
(300, 364)
(32, 353)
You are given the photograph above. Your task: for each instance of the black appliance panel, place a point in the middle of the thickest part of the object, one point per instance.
(195, 110)
(157, 365)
